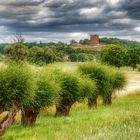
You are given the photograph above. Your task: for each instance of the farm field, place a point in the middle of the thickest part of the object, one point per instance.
(119, 121)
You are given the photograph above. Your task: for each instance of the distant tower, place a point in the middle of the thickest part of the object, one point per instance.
(94, 39)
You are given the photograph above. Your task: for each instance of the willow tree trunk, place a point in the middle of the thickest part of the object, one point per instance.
(63, 109)
(107, 101)
(92, 102)
(8, 120)
(28, 117)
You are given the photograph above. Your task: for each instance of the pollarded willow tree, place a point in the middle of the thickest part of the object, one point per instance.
(73, 88)
(46, 94)
(89, 90)
(107, 80)
(16, 90)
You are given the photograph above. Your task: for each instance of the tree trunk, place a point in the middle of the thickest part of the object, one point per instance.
(63, 109)
(107, 101)
(28, 117)
(92, 102)
(8, 120)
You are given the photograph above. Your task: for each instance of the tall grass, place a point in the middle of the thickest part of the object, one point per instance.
(121, 121)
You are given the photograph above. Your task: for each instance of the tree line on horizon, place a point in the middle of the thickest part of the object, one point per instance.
(117, 52)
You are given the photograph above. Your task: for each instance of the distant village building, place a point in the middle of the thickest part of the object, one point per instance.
(94, 39)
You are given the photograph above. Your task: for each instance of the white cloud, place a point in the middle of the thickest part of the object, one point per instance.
(137, 29)
(113, 2)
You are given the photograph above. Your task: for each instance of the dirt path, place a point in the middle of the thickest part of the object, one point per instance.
(133, 84)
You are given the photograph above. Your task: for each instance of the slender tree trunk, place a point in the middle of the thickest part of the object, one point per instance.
(107, 101)
(28, 117)
(63, 109)
(92, 102)
(8, 120)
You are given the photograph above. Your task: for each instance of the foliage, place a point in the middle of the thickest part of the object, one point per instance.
(133, 57)
(47, 91)
(16, 52)
(41, 55)
(84, 41)
(121, 42)
(74, 87)
(70, 85)
(80, 57)
(88, 88)
(72, 42)
(113, 55)
(107, 79)
(73, 57)
(16, 86)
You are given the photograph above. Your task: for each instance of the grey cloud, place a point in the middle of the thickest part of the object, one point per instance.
(63, 16)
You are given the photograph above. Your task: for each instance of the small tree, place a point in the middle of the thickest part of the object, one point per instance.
(113, 55)
(107, 80)
(16, 52)
(16, 91)
(46, 94)
(133, 57)
(73, 57)
(73, 88)
(41, 55)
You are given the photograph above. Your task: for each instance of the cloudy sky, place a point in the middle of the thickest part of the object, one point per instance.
(63, 20)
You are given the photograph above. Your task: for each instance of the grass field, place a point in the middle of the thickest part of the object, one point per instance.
(121, 121)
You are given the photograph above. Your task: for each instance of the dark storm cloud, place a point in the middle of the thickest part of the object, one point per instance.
(100, 16)
(132, 7)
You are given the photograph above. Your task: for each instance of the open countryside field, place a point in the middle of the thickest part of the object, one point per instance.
(119, 121)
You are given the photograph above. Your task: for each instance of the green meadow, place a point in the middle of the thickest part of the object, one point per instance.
(120, 121)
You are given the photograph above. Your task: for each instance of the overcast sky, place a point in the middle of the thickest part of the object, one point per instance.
(63, 20)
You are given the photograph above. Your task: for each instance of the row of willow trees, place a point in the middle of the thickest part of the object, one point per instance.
(25, 89)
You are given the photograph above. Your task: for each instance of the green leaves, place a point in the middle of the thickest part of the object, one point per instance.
(107, 79)
(47, 91)
(113, 55)
(17, 86)
(16, 52)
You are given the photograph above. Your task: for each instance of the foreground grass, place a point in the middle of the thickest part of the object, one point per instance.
(121, 121)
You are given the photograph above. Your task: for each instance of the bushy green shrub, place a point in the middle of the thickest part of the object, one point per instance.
(16, 52)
